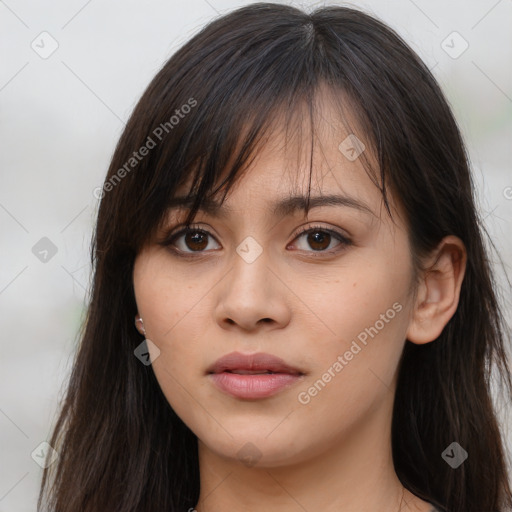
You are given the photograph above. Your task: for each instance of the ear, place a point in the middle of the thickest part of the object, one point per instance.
(439, 291)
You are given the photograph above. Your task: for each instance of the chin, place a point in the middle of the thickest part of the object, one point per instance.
(255, 447)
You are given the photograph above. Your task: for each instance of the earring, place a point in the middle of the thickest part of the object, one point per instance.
(139, 319)
(147, 351)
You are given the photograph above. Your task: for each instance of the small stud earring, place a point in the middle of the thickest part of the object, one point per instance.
(139, 319)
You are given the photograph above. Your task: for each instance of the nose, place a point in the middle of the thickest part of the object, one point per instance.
(253, 296)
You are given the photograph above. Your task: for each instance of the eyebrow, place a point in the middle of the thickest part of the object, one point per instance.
(280, 208)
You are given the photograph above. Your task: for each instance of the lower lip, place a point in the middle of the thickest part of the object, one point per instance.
(253, 386)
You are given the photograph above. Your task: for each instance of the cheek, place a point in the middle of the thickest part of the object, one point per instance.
(361, 333)
(166, 298)
(353, 369)
(354, 300)
(175, 320)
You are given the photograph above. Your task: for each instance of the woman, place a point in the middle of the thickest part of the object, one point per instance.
(297, 346)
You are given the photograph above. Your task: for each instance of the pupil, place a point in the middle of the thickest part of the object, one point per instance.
(195, 239)
(317, 238)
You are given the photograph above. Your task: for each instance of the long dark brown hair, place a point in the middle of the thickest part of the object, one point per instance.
(122, 447)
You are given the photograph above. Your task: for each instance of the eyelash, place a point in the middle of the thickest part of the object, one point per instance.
(170, 239)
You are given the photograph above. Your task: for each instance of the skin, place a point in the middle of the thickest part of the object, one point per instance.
(334, 452)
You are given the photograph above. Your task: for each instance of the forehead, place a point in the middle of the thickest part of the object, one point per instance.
(270, 188)
(278, 176)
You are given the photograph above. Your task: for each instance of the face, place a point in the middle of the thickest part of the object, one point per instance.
(332, 302)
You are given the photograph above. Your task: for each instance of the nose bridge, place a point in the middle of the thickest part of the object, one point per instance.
(249, 293)
(252, 261)
(250, 250)
(250, 269)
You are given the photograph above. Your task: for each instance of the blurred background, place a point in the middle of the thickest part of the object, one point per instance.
(71, 73)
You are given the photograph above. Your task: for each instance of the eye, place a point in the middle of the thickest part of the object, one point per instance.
(193, 239)
(320, 239)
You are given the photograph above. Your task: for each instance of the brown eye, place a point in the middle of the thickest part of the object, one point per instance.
(319, 239)
(196, 240)
(188, 240)
(192, 241)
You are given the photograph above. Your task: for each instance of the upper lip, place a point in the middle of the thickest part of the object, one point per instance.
(252, 362)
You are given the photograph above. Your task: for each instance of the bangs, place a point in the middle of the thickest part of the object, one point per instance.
(211, 179)
(250, 78)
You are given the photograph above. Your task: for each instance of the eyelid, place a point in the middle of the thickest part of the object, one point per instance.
(178, 231)
(343, 240)
(305, 229)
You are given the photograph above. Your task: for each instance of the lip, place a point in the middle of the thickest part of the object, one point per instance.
(246, 375)
(252, 362)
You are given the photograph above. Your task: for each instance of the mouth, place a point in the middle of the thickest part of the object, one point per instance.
(252, 364)
(253, 376)
(251, 372)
